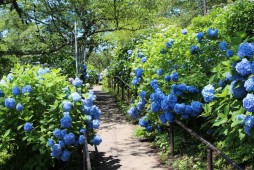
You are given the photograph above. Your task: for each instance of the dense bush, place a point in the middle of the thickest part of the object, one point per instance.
(43, 116)
(186, 72)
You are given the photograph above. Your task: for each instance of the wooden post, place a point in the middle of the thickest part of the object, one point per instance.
(171, 139)
(118, 86)
(210, 159)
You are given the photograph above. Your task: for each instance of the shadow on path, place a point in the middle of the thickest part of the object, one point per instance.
(102, 162)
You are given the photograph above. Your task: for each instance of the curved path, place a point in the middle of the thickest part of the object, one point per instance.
(119, 148)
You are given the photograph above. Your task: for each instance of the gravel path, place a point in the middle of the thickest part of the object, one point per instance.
(119, 148)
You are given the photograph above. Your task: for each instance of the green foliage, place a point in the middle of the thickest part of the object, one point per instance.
(206, 66)
(42, 108)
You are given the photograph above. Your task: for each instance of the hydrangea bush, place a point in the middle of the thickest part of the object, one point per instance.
(44, 117)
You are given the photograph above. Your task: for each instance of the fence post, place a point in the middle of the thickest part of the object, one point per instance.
(171, 139)
(118, 87)
(122, 90)
(210, 158)
(128, 95)
(114, 84)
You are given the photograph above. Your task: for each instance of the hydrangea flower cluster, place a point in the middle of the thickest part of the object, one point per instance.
(200, 36)
(138, 73)
(84, 74)
(42, 71)
(212, 33)
(143, 122)
(223, 46)
(27, 89)
(77, 82)
(129, 52)
(28, 127)
(184, 31)
(194, 49)
(208, 93)
(159, 72)
(246, 50)
(170, 43)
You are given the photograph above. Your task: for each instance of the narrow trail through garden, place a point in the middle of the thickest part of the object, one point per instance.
(119, 148)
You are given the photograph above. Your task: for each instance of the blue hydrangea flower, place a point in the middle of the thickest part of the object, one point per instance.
(174, 76)
(96, 124)
(167, 78)
(67, 105)
(16, 91)
(241, 117)
(9, 77)
(170, 117)
(178, 89)
(155, 107)
(140, 54)
(230, 53)
(1, 93)
(27, 89)
(42, 71)
(77, 82)
(133, 112)
(208, 93)
(245, 50)
(248, 103)
(142, 94)
(192, 89)
(65, 155)
(163, 51)
(83, 67)
(10, 103)
(88, 118)
(249, 84)
(143, 122)
(19, 107)
(88, 102)
(194, 49)
(154, 84)
(200, 36)
(139, 72)
(163, 119)
(179, 108)
(159, 72)
(82, 130)
(248, 124)
(221, 83)
(188, 110)
(66, 121)
(57, 133)
(141, 105)
(69, 139)
(212, 33)
(95, 112)
(184, 31)
(243, 67)
(28, 127)
(135, 81)
(237, 89)
(51, 142)
(223, 45)
(129, 52)
(81, 140)
(56, 151)
(76, 97)
(96, 140)
(149, 128)
(197, 107)
(61, 143)
(143, 59)
(168, 102)
(170, 43)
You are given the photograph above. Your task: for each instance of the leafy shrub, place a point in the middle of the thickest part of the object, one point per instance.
(33, 111)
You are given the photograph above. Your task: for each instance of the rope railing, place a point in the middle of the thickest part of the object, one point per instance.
(117, 82)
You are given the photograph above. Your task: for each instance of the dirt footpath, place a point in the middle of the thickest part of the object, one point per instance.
(119, 148)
